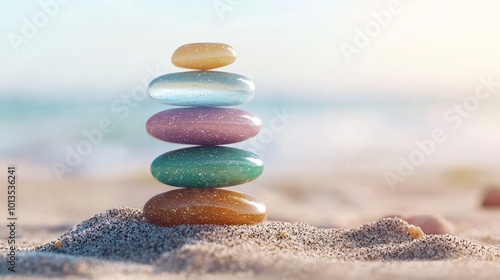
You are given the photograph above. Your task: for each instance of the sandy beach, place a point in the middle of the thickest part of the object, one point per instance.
(315, 231)
(119, 243)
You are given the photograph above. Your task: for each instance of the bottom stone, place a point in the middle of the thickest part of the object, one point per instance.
(204, 206)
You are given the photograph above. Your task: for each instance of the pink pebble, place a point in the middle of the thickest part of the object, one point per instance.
(203, 125)
(491, 197)
(432, 224)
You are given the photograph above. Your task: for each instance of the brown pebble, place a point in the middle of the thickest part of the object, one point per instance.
(57, 244)
(432, 224)
(491, 197)
(204, 206)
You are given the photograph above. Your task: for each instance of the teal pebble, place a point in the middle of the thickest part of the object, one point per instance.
(206, 167)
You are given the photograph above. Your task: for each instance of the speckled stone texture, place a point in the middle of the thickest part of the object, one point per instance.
(203, 125)
(203, 56)
(202, 88)
(207, 167)
(204, 206)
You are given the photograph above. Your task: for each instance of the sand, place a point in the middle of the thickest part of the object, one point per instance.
(321, 226)
(119, 244)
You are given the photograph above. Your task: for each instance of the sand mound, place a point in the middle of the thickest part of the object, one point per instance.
(122, 236)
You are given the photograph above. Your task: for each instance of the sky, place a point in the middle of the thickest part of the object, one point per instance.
(290, 49)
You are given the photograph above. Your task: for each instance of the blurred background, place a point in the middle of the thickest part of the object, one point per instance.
(351, 94)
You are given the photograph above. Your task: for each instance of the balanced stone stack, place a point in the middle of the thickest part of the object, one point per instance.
(202, 170)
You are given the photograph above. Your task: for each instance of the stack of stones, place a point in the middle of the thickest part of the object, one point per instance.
(202, 170)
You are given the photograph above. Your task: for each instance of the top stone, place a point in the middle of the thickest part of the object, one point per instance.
(203, 56)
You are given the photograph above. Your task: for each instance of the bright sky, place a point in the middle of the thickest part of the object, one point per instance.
(429, 49)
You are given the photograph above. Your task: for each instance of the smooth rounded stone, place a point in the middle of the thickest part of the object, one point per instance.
(204, 206)
(202, 88)
(206, 167)
(203, 125)
(491, 197)
(203, 56)
(432, 224)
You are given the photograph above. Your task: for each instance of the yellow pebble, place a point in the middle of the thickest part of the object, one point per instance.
(415, 232)
(283, 234)
(57, 244)
(203, 56)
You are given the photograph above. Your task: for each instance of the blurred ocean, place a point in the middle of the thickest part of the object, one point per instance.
(295, 133)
